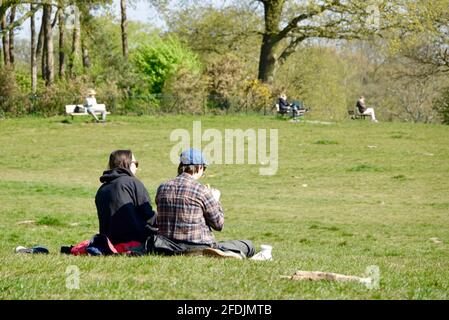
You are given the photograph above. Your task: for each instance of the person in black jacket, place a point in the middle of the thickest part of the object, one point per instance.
(123, 204)
(363, 109)
(285, 106)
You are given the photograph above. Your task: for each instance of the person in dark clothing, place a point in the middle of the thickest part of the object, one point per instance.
(123, 204)
(285, 106)
(363, 109)
(188, 211)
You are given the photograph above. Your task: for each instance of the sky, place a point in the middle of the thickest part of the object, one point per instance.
(139, 11)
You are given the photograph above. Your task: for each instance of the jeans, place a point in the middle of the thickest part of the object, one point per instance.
(162, 245)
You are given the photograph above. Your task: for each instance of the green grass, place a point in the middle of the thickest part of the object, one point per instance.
(346, 196)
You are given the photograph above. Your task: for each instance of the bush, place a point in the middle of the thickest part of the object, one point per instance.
(224, 74)
(317, 77)
(259, 96)
(184, 92)
(51, 100)
(442, 107)
(160, 60)
(12, 101)
(109, 94)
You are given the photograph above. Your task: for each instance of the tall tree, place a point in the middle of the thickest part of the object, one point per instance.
(429, 46)
(5, 37)
(288, 23)
(211, 31)
(40, 45)
(12, 17)
(33, 61)
(76, 45)
(86, 24)
(80, 54)
(287, 27)
(85, 50)
(61, 25)
(48, 45)
(1, 51)
(124, 26)
(43, 54)
(5, 5)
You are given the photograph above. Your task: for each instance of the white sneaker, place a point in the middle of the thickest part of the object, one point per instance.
(262, 256)
(22, 249)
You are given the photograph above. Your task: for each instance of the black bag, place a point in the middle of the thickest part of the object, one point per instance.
(79, 109)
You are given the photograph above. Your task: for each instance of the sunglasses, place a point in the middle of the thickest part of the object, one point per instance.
(136, 163)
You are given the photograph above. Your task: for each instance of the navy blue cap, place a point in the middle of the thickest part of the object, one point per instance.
(192, 157)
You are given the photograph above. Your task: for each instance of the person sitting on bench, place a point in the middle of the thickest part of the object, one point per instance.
(90, 105)
(364, 110)
(285, 106)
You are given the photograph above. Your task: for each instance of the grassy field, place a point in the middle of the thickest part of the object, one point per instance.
(346, 196)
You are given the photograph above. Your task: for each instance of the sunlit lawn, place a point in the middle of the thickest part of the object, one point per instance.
(346, 196)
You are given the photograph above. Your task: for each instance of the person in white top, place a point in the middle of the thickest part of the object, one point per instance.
(363, 109)
(90, 105)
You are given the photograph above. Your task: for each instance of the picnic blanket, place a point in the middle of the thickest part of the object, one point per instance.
(101, 245)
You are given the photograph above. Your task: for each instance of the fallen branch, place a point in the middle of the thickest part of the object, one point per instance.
(318, 276)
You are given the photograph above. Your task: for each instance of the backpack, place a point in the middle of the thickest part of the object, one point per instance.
(79, 109)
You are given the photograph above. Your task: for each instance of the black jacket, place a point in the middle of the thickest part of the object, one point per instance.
(283, 104)
(124, 207)
(361, 106)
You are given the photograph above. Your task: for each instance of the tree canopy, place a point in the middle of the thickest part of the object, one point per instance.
(324, 52)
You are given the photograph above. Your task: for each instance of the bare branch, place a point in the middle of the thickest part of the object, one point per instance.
(20, 21)
(302, 17)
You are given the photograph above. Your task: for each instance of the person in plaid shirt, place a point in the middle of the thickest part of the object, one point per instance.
(188, 212)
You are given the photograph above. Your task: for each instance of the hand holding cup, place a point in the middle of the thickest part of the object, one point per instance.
(216, 193)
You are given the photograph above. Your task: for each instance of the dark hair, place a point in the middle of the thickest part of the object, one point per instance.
(190, 168)
(120, 159)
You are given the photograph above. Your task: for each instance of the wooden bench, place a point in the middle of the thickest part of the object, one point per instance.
(70, 110)
(355, 114)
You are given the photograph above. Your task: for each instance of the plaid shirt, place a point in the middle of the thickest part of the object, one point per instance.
(187, 211)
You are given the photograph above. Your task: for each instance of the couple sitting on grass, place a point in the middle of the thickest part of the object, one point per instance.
(187, 211)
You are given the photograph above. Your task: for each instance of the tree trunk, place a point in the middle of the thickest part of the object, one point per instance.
(40, 54)
(5, 41)
(40, 41)
(61, 43)
(86, 60)
(33, 53)
(74, 55)
(268, 62)
(44, 62)
(48, 45)
(1, 28)
(12, 17)
(124, 25)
